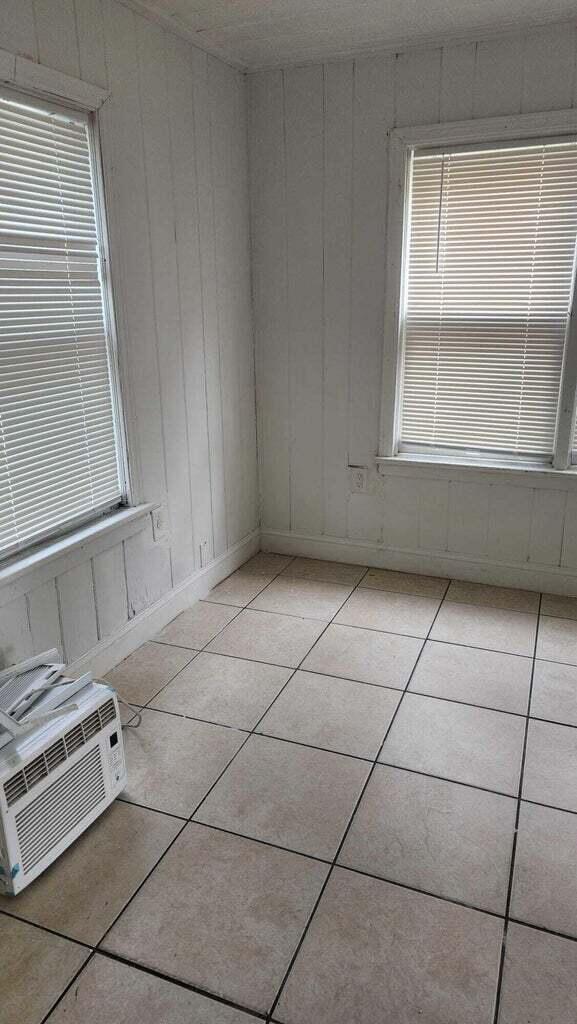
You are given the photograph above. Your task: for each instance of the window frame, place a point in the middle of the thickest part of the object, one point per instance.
(82, 107)
(401, 143)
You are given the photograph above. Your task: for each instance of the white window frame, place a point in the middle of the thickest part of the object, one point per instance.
(402, 142)
(58, 93)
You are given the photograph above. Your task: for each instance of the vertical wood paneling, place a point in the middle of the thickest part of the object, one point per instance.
(374, 104)
(457, 78)
(304, 172)
(269, 264)
(15, 635)
(56, 28)
(499, 77)
(90, 31)
(468, 518)
(17, 29)
(78, 610)
(569, 548)
(231, 226)
(547, 519)
(549, 62)
(203, 151)
(337, 221)
(131, 243)
(163, 258)
(44, 618)
(110, 591)
(147, 571)
(182, 145)
(510, 510)
(418, 87)
(365, 518)
(434, 515)
(402, 498)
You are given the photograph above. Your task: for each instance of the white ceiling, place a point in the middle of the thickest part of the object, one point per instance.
(268, 33)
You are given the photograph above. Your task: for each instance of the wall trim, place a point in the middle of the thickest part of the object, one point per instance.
(546, 578)
(144, 626)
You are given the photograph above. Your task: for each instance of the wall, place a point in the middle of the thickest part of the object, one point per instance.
(174, 148)
(319, 190)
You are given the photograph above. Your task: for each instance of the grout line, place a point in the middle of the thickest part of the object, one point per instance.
(72, 982)
(515, 834)
(346, 831)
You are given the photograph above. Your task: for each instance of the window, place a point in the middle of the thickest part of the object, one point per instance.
(486, 369)
(60, 461)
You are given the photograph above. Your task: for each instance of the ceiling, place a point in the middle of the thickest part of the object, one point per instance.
(268, 33)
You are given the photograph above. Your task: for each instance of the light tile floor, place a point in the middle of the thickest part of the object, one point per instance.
(352, 800)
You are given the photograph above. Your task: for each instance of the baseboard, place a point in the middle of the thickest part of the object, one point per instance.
(106, 654)
(549, 579)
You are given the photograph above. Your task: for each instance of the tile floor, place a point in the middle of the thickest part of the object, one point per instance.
(352, 800)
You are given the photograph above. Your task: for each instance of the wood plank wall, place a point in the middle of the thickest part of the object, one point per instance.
(319, 190)
(175, 154)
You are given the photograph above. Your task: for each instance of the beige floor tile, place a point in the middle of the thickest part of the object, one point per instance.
(318, 569)
(333, 713)
(229, 691)
(550, 775)
(555, 692)
(457, 742)
(262, 636)
(286, 794)
(379, 953)
(311, 599)
(393, 613)
(558, 606)
(557, 640)
(197, 625)
(84, 890)
(365, 655)
(140, 676)
(405, 583)
(222, 913)
(239, 589)
(488, 678)
(265, 563)
(449, 840)
(108, 992)
(36, 968)
(539, 978)
(172, 762)
(545, 876)
(493, 597)
(491, 628)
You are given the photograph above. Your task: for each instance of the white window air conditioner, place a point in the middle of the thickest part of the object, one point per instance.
(59, 769)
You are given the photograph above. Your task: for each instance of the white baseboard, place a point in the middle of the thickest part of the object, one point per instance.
(106, 654)
(549, 579)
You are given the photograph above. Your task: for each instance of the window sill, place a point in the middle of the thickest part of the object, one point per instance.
(24, 571)
(443, 468)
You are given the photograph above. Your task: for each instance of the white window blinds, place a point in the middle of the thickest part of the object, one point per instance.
(58, 452)
(488, 285)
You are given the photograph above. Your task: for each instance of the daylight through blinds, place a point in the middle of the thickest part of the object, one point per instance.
(58, 456)
(491, 248)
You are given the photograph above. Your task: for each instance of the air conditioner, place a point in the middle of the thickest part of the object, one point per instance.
(55, 780)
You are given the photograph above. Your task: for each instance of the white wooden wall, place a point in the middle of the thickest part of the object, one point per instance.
(318, 195)
(175, 153)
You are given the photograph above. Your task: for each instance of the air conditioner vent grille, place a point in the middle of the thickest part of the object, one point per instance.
(28, 777)
(53, 814)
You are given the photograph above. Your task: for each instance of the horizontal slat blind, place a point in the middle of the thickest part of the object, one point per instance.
(58, 453)
(488, 287)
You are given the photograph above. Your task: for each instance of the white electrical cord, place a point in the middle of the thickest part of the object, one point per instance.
(137, 714)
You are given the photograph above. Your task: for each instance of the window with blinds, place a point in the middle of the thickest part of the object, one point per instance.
(59, 462)
(488, 289)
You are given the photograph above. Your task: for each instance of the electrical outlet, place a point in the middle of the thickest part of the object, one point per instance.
(160, 523)
(358, 479)
(203, 547)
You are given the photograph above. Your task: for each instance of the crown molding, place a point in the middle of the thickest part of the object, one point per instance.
(177, 27)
